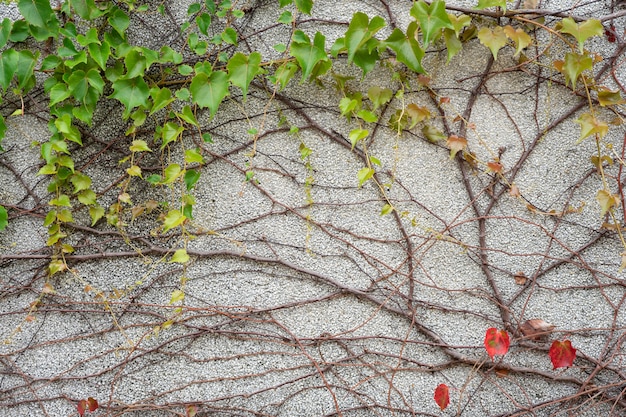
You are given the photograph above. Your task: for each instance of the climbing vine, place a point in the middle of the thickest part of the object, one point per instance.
(84, 63)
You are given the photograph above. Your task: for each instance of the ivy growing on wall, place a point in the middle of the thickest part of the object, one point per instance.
(83, 56)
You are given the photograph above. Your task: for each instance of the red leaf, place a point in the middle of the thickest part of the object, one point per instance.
(82, 406)
(442, 396)
(562, 354)
(93, 404)
(610, 34)
(496, 342)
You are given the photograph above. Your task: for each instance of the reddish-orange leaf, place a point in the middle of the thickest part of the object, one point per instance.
(496, 342)
(443, 100)
(562, 354)
(456, 144)
(82, 406)
(520, 278)
(442, 396)
(496, 167)
(93, 404)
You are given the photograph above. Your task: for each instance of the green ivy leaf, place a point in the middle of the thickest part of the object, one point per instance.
(574, 65)
(357, 135)
(87, 197)
(387, 208)
(161, 97)
(36, 12)
(80, 181)
(65, 216)
(285, 18)
(483, 4)
(131, 93)
(96, 213)
(432, 18)
(242, 69)
(306, 53)
(188, 116)
(229, 36)
(365, 174)
(5, 31)
(170, 173)
(284, 74)
(407, 50)
(177, 295)
(118, 20)
(91, 36)
(140, 146)
(492, 39)
(360, 31)
(25, 68)
(61, 201)
(86, 9)
(583, 31)
(453, 44)
(173, 218)
(169, 133)
(4, 218)
(19, 31)
(192, 156)
(367, 116)
(100, 53)
(8, 66)
(64, 125)
(209, 91)
(191, 177)
(181, 257)
(304, 6)
(379, 96)
(204, 22)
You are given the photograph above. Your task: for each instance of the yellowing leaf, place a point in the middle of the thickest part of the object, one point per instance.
(177, 296)
(54, 267)
(417, 114)
(180, 256)
(173, 218)
(459, 22)
(606, 200)
(492, 39)
(134, 171)
(521, 38)
(573, 66)
(582, 31)
(379, 96)
(589, 125)
(608, 97)
(387, 208)
(140, 146)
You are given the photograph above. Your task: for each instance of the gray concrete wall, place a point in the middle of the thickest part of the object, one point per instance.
(325, 307)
